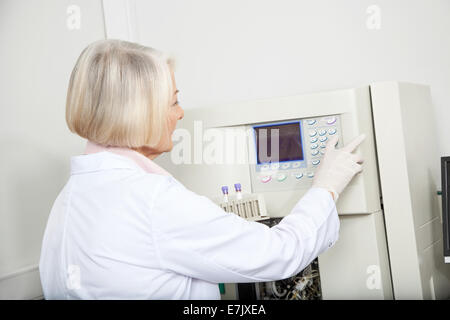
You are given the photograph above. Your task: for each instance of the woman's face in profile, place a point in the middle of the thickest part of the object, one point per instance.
(175, 113)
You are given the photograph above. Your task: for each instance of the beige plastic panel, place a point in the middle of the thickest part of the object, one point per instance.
(353, 106)
(409, 170)
(357, 266)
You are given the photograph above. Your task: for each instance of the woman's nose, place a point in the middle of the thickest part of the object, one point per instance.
(180, 113)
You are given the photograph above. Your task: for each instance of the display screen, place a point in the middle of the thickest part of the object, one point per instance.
(289, 143)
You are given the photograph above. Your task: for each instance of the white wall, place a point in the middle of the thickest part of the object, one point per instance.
(37, 54)
(240, 50)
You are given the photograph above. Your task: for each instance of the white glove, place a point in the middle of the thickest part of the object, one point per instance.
(338, 166)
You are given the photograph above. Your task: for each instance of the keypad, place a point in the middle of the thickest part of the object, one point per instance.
(316, 133)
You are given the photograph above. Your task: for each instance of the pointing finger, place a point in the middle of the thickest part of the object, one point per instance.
(332, 142)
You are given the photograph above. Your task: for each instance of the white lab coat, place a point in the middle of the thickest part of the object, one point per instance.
(118, 232)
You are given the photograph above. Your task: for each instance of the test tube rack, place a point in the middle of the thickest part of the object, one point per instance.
(251, 207)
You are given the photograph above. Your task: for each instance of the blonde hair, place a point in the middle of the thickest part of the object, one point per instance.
(119, 93)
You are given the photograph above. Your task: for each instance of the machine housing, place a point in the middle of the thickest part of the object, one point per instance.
(390, 243)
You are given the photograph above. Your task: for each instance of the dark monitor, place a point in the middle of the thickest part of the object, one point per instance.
(445, 174)
(289, 137)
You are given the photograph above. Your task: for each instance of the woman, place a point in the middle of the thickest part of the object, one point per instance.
(123, 228)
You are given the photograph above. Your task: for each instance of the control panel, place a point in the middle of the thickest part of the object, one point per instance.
(286, 154)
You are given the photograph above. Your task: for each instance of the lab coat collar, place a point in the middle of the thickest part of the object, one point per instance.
(82, 164)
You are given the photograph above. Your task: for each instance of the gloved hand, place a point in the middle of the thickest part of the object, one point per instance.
(338, 166)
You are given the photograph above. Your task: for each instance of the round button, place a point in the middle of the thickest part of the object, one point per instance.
(310, 174)
(285, 165)
(331, 120)
(313, 140)
(281, 177)
(314, 146)
(315, 152)
(298, 175)
(322, 132)
(266, 179)
(312, 133)
(323, 145)
(322, 152)
(332, 131)
(311, 122)
(315, 162)
(296, 165)
(265, 167)
(274, 166)
(323, 139)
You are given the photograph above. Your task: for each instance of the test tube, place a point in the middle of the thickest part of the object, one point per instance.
(237, 187)
(225, 194)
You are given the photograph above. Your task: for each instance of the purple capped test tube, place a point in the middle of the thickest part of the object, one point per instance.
(237, 187)
(225, 193)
